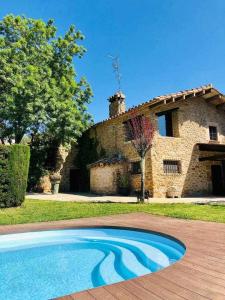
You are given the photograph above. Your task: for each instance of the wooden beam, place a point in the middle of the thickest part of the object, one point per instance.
(216, 100)
(192, 95)
(179, 97)
(203, 92)
(166, 111)
(211, 147)
(221, 106)
(215, 97)
(155, 104)
(214, 157)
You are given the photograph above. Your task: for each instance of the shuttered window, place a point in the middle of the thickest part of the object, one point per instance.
(171, 166)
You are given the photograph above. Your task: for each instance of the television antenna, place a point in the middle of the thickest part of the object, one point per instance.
(116, 69)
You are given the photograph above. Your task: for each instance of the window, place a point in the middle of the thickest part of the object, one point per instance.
(171, 166)
(213, 135)
(166, 122)
(136, 167)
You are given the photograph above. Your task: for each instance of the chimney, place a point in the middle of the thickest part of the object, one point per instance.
(117, 104)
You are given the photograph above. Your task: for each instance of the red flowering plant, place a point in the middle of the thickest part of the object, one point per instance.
(141, 133)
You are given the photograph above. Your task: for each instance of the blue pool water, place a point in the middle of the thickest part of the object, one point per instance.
(48, 264)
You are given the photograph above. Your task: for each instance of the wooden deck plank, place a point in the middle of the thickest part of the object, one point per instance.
(176, 289)
(119, 292)
(160, 291)
(78, 296)
(194, 283)
(203, 275)
(204, 270)
(101, 293)
(199, 275)
(139, 291)
(204, 262)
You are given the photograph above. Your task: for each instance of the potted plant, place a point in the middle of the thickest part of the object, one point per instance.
(172, 192)
(55, 181)
(124, 184)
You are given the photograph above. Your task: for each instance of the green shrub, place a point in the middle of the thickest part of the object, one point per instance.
(14, 164)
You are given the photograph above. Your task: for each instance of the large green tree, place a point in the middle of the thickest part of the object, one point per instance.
(39, 89)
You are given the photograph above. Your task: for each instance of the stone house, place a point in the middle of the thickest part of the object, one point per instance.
(188, 152)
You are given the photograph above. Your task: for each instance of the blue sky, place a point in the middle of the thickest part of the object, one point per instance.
(164, 45)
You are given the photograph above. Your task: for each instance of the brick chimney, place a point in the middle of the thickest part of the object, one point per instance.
(117, 104)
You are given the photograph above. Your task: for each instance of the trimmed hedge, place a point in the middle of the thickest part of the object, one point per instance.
(14, 165)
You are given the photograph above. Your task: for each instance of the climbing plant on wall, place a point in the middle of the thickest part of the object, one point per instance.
(89, 151)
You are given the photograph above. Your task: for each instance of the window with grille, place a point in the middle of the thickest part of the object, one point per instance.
(136, 167)
(213, 135)
(171, 166)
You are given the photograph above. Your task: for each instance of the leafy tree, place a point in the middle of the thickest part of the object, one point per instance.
(39, 93)
(142, 133)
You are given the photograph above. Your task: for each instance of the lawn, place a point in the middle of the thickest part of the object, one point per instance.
(38, 211)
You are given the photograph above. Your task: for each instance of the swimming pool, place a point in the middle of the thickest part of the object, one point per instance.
(47, 264)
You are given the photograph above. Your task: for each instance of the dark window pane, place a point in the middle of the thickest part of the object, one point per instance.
(213, 133)
(136, 167)
(169, 124)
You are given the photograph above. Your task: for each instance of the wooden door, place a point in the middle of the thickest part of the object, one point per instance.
(75, 180)
(217, 180)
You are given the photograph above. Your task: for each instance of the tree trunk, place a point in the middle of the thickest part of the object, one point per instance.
(18, 138)
(142, 178)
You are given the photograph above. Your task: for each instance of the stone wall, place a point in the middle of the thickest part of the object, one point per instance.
(111, 136)
(65, 162)
(104, 178)
(69, 163)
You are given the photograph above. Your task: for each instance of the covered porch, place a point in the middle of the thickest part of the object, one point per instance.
(214, 154)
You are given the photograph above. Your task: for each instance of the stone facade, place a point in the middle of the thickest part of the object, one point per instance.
(65, 163)
(69, 163)
(193, 112)
(104, 178)
(194, 118)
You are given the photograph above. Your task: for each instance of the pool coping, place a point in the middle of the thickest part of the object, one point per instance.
(200, 274)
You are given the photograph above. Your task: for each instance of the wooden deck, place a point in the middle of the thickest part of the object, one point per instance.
(199, 275)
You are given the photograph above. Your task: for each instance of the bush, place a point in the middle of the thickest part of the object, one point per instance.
(43, 158)
(14, 165)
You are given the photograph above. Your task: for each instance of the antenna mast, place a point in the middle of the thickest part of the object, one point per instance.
(116, 70)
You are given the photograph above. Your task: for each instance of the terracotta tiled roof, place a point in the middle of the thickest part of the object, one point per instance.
(195, 92)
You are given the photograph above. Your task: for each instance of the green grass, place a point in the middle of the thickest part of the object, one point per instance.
(38, 211)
